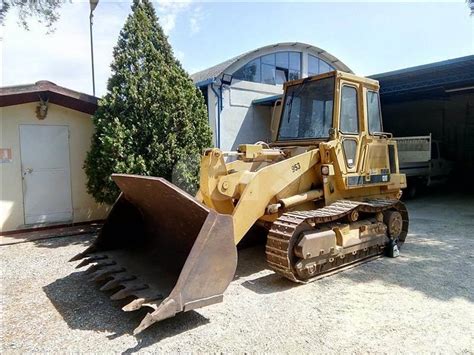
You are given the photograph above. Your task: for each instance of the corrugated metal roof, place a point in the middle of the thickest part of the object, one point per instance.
(216, 70)
(446, 74)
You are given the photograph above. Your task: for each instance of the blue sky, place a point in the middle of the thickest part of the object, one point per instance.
(370, 37)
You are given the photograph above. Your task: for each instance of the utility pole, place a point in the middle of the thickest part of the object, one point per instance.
(93, 5)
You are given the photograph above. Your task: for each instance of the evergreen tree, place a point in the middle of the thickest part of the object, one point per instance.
(152, 120)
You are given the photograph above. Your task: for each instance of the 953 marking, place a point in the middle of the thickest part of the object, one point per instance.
(295, 167)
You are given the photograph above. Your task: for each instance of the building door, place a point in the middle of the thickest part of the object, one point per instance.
(45, 173)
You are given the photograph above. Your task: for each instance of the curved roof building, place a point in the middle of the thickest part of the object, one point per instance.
(239, 92)
(302, 57)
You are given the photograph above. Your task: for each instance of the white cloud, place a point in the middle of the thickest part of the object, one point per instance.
(196, 19)
(169, 10)
(168, 22)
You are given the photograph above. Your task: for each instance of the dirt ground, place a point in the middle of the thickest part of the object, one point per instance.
(419, 302)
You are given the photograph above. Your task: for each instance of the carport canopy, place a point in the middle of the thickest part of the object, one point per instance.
(434, 80)
(266, 101)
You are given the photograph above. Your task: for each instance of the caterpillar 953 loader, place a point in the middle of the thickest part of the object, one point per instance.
(327, 190)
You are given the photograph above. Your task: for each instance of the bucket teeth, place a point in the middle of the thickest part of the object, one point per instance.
(166, 309)
(99, 265)
(116, 282)
(145, 300)
(82, 255)
(106, 272)
(78, 257)
(90, 259)
(134, 305)
(128, 291)
(145, 323)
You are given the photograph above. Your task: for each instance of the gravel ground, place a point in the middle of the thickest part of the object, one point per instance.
(419, 302)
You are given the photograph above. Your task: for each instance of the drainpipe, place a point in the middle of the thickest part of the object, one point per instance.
(219, 109)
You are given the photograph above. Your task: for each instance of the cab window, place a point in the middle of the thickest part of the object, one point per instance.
(350, 151)
(349, 111)
(373, 112)
(307, 111)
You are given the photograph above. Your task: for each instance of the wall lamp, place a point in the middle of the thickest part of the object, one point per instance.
(226, 79)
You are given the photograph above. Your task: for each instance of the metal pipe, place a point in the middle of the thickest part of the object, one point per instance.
(272, 153)
(219, 108)
(294, 200)
(92, 52)
(232, 154)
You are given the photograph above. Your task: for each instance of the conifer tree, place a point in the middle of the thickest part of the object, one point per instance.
(152, 120)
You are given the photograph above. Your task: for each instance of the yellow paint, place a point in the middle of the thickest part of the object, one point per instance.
(80, 128)
(261, 178)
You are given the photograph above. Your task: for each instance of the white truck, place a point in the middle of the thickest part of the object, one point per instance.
(422, 160)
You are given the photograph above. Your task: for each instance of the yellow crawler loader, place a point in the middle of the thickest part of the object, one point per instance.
(326, 190)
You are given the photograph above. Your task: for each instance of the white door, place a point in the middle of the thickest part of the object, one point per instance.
(45, 173)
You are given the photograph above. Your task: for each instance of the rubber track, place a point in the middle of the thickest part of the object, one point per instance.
(285, 230)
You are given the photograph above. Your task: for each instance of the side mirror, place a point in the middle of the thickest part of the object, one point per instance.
(276, 113)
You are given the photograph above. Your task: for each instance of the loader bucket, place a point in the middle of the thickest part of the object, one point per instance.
(161, 248)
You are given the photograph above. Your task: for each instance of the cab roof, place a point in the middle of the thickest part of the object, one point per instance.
(373, 84)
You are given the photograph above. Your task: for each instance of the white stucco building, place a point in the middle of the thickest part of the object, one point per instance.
(45, 134)
(240, 92)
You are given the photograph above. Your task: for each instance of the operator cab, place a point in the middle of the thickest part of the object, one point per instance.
(321, 107)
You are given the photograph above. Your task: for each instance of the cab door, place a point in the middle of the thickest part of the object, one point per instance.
(379, 151)
(350, 124)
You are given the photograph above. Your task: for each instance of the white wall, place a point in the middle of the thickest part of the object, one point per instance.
(212, 113)
(240, 121)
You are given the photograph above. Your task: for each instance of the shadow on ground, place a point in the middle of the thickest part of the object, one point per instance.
(440, 270)
(252, 261)
(59, 242)
(435, 260)
(83, 306)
